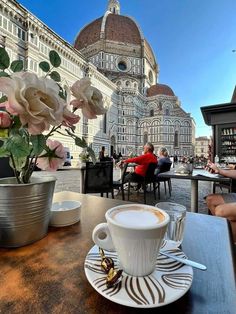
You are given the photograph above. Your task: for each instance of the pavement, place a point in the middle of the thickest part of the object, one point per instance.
(69, 180)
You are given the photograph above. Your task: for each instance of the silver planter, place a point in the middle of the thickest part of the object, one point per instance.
(25, 210)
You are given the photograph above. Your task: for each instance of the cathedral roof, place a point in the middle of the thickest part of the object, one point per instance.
(159, 89)
(117, 28)
(89, 34)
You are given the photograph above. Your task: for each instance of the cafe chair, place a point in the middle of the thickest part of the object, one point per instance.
(144, 181)
(99, 178)
(119, 184)
(163, 168)
(221, 186)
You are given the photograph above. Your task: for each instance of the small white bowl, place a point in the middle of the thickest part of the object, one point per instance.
(65, 213)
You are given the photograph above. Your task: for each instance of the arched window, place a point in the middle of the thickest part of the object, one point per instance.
(105, 123)
(145, 138)
(176, 139)
(151, 112)
(167, 111)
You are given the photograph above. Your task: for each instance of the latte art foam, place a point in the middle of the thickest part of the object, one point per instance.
(137, 217)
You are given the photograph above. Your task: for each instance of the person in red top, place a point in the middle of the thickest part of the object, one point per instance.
(142, 162)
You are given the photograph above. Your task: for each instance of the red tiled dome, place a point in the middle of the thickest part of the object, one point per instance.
(159, 89)
(122, 29)
(118, 28)
(89, 34)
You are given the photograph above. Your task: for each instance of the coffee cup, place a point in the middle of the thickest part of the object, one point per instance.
(135, 232)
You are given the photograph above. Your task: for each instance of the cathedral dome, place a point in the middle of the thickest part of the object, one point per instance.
(159, 89)
(117, 28)
(115, 45)
(89, 34)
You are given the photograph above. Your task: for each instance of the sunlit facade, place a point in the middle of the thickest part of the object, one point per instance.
(113, 52)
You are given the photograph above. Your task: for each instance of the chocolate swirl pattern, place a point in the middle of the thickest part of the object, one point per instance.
(167, 283)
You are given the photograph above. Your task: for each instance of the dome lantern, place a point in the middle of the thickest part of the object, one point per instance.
(113, 6)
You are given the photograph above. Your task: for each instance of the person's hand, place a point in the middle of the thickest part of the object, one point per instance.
(212, 168)
(232, 166)
(120, 163)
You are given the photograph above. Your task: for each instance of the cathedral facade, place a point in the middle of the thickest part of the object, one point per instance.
(114, 53)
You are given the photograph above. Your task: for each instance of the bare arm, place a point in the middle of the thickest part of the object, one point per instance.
(227, 210)
(226, 173)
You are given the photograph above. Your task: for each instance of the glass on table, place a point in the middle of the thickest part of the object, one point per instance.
(175, 229)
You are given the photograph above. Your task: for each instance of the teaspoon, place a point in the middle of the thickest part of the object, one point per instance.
(184, 261)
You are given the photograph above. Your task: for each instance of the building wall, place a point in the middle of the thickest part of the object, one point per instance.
(132, 118)
(202, 146)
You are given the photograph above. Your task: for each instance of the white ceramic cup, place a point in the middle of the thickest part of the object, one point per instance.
(177, 213)
(135, 232)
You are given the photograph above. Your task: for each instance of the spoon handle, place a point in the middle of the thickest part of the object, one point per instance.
(185, 261)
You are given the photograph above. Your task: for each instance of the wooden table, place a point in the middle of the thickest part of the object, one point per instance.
(194, 183)
(48, 276)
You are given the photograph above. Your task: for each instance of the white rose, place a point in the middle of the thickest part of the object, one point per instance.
(36, 100)
(88, 98)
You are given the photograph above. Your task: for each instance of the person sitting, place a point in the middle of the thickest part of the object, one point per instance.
(164, 162)
(142, 162)
(102, 156)
(115, 157)
(223, 205)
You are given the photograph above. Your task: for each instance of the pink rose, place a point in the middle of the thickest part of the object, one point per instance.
(88, 98)
(5, 120)
(69, 118)
(53, 159)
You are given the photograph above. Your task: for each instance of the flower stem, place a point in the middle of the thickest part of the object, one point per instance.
(54, 129)
(14, 169)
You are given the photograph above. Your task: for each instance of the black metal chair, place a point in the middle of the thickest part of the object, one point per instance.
(99, 178)
(144, 181)
(119, 184)
(163, 168)
(221, 186)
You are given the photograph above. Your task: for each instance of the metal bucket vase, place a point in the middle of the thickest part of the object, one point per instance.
(25, 210)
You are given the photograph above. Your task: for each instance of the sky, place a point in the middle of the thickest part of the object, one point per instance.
(191, 39)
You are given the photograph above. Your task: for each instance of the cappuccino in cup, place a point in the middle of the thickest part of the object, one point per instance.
(136, 216)
(135, 232)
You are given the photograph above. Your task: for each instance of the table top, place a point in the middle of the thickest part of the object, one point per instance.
(48, 276)
(198, 174)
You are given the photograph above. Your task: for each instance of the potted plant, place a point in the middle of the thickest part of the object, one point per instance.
(32, 110)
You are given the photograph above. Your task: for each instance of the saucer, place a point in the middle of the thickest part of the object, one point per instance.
(169, 281)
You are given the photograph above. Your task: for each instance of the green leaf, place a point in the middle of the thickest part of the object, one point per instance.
(44, 66)
(62, 95)
(62, 92)
(18, 146)
(4, 74)
(3, 99)
(17, 65)
(39, 143)
(54, 58)
(55, 76)
(4, 152)
(16, 124)
(19, 162)
(4, 59)
(80, 142)
(3, 133)
(91, 154)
